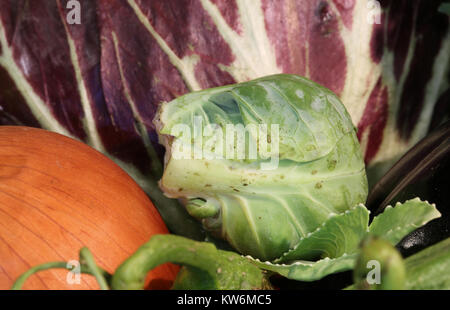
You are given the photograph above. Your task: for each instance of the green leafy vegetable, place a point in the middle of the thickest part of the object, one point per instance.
(307, 205)
(266, 203)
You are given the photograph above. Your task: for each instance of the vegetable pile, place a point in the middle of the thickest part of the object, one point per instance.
(264, 150)
(102, 80)
(277, 217)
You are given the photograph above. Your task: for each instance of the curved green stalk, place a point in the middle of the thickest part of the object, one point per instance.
(207, 266)
(17, 285)
(379, 266)
(87, 266)
(87, 258)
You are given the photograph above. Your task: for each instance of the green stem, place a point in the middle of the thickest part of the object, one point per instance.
(17, 285)
(87, 266)
(379, 266)
(208, 267)
(132, 273)
(87, 258)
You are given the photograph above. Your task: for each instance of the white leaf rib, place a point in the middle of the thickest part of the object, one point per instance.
(185, 65)
(90, 125)
(254, 54)
(37, 106)
(141, 128)
(248, 215)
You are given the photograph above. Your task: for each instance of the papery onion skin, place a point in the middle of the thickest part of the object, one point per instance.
(58, 195)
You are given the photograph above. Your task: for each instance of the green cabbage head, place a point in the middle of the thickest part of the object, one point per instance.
(264, 163)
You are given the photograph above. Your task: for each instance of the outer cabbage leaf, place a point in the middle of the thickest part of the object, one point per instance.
(397, 222)
(338, 236)
(336, 242)
(307, 131)
(308, 270)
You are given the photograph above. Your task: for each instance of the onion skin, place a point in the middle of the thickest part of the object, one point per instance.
(58, 195)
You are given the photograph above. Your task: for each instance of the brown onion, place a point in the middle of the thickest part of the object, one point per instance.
(58, 195)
